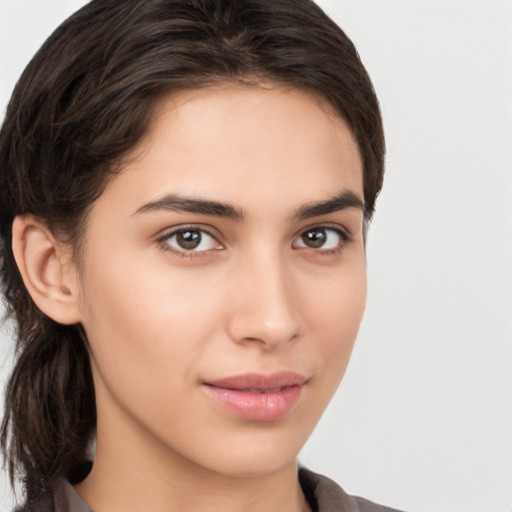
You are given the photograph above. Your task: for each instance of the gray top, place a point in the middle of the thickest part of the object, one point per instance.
(323, 495)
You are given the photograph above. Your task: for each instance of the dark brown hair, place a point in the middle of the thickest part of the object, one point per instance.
(82, 103)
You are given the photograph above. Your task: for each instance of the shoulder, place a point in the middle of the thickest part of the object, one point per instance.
(64, 499)
(325, 495)
(41, 505)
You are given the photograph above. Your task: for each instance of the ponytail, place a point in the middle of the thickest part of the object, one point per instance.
(50, 413)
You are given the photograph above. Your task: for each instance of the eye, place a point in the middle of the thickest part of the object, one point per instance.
(189, 240)
(323, 238)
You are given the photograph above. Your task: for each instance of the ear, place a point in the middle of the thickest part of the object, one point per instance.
(47, 269)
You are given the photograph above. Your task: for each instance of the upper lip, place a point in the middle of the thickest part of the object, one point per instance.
(259, 381)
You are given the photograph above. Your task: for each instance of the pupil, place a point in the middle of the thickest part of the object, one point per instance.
(315, 238)
(188, 239)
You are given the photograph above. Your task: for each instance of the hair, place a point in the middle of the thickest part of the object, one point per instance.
(82, 103)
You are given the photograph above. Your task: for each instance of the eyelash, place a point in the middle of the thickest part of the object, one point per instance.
(164, 245)
(345, 236)
(345, 239)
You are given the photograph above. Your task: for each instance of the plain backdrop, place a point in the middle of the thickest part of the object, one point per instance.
(423, 419)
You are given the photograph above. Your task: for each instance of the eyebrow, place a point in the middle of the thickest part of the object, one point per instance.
(177, 203)
(171, 202)
(341, 201)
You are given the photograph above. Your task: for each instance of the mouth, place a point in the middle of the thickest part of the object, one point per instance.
(258, 397)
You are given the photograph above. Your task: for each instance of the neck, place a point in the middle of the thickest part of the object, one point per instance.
(132, 486)
(134, 472)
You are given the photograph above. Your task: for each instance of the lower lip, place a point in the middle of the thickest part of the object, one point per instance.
(256, 406)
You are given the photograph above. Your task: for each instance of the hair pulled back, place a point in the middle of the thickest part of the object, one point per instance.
(82, 103)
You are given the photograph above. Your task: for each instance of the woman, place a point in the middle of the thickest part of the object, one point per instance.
(185, 189)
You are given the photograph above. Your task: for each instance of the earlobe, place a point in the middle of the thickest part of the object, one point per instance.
(46, 268)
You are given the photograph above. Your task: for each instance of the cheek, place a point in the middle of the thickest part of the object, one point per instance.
(336, 303)
(142, 321)
(333, 314)
(146, 339)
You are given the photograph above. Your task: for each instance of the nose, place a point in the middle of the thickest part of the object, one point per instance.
(264, 306)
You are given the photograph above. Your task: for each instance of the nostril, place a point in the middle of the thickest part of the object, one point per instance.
(267, 334)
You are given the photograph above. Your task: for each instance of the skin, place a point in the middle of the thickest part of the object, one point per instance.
(253, 297)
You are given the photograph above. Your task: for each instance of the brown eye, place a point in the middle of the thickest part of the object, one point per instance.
(314, 238)
(321, 238)
(190, 240)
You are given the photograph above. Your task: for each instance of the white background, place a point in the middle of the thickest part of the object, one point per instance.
(423, 420)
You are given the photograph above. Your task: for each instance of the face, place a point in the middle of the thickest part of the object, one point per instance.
(223, 280)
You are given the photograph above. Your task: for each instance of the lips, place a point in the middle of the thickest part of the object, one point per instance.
(258, 397)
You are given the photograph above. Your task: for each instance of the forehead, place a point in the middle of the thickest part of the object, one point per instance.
(242, 145)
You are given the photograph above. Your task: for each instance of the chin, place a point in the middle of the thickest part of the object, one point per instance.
(257, 454)
(259, 465)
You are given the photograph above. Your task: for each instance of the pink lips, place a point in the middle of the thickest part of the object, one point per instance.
(258, 397)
